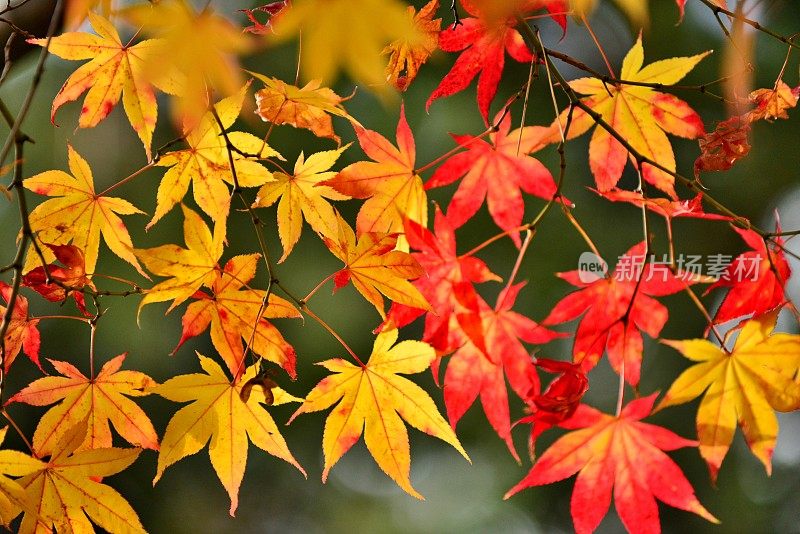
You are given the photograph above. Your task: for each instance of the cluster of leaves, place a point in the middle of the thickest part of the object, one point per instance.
(391, 252)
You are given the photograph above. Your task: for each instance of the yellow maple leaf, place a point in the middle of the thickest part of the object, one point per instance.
(641, 115)
(188, 268)
(13, 497)
(199, 51)
(301, 195)
(308, 107)
(78, 215)
(374, 400)
(98, 400)
(206, 163)
(746, 386)
(406, 55)
(218, 413)
(345, 34)
(375, 267)
(66, 492)
(116, 70)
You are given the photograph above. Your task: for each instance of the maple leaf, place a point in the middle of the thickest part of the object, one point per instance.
(22, 333)
(617, 309)
(206, 163)
(301, 196)
(233, 315)
(273, 9)
(197, 52)
(116, 70)
(667, 208)
(97, 400)
(773, 103)
(309, 107)
(496, 172)
(756, 279)
(393, 189)
(68, 279)
(375, 267)
(447, 285)
(189, 268)
(374, 400)
(472, 372)
(13, 497)
(722, 148)
(484, 42)
(66, 492)
(407, 56)
(620, 453)
(78, 215)
(745, 385)
(559, 401)
(640, 115)
(218, 413)
(350, 36)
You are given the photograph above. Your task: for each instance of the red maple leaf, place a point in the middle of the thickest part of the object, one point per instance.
(496, 172)
(756, 279)
(447, 285)
(22, 333)
(667, 208)
(483, 41)
(617, 308)
(65, 279)
(472, 372)
(559, 401)
(619, 453)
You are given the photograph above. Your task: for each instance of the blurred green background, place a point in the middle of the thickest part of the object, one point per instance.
(460, 497)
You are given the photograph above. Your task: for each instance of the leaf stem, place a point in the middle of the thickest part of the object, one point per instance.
(332, 332)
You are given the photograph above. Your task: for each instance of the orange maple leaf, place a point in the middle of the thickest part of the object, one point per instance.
(218, 413)
(233, 314)
(78, 215)
(407, 55)
(116, 70)
(97, 400)
(375, 268)
(22, 333)
(620, 453)
(393, 190)
(374, 400)
(65, 491)
(309, 107)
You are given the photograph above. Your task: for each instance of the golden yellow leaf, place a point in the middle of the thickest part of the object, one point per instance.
(69, 498)
(206, 163)
(188, 268)
(78, 215)
(345, 34)
(374, 400)
(218, 413)
(302, 196)
(742, 387)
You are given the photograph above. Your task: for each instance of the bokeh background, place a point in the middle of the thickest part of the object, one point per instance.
(460, 497)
